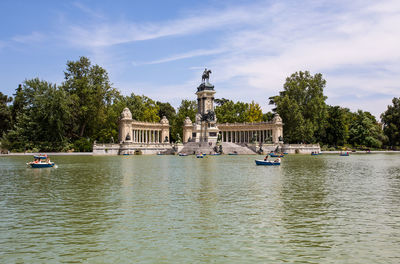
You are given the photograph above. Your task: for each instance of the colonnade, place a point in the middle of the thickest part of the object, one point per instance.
(246, 136)
(147, 136)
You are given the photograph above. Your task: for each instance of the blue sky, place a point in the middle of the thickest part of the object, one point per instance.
(160, 48)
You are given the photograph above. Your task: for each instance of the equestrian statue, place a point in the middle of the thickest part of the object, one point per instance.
(206, 75)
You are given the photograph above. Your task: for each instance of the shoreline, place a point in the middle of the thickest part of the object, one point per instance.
(48, 153)
(91, 153)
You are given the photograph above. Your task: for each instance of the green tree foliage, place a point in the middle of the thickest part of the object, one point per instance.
(107, 131)
(221, 101)
(302, 107)
(47, 117)
(18, 103)
(391, 122)
(43, 121)
(5, 113)
(187, 108)
(167, 110)
(267, 117)
(230, 112)
(90, 91)
(337, 126)
(151, 109)
(254, 112)
(365, 130)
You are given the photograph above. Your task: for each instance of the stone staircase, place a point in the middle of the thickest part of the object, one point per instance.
(197, 148)
(242, 149)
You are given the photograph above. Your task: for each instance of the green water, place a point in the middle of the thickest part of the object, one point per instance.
(221, 209)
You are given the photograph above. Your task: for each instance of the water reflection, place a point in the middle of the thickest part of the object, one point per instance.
(305, 208)
(168, 209)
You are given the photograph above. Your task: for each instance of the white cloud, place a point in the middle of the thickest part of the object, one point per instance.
(191, 54)
(33, 37)
(88, 11)
(109, 34)
(355, 45)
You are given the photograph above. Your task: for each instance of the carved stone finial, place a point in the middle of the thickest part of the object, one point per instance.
(164, 121)
(126, 114)
(187, 122)
(277, 119)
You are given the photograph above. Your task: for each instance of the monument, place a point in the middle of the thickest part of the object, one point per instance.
(205, 127)
(204, 135)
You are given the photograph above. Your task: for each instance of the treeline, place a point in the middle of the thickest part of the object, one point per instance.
(42, 116)
(308, 119)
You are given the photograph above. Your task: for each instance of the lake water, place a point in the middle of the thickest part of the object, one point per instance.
(221, 209)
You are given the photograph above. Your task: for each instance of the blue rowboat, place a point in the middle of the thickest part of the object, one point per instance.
(344, 154)
(182, 154)
(199, 156)
(267, 163)
(232, 153)
(276, 155)
(314, 154)
(42, 165)
(41, 161)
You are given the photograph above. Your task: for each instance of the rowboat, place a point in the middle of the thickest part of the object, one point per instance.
(267, 163)
(273, 155)
(182, 154)
(41, 161)
(199, 156)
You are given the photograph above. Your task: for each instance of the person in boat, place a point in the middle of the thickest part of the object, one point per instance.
(278, 160)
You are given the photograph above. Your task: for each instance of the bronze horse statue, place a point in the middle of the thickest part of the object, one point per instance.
(206, 75)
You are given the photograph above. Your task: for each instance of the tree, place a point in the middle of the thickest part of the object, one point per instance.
(187, 108)
(303, 95)
(254, 112)
(365, 130)
(167, 110)
(151, 109)
(18, 103)
(221, 101)
(337, 126)
(5, 113)
(42, 121)
(230, 112)
(267, 117)
(90, 91)
(391, 122)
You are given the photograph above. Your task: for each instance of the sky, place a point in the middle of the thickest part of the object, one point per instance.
(160, 48)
